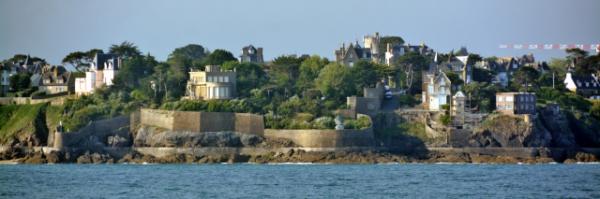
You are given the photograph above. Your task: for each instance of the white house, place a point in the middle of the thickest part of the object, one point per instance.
(587, 86)
(102, 71)
(436, 91)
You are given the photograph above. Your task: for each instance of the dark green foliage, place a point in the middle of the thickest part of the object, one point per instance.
(364, 75)
(482, 75)
(125, 50)
(565, 99)
(392, 40)
(218, 57)
(336, 81)
(309, 71)
(524, 79)
(133, 71)
(249, 76)
(20, 82)
(407, 100)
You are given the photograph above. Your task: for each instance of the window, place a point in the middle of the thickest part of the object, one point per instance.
(500, 98)
(220, 78)
(509, 98)
(226, 79)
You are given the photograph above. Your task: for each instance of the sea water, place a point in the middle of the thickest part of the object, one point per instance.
(300, 181)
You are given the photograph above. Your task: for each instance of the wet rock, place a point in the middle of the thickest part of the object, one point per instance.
(585, 157)
(117, 141)
(237, 158)
(35, 158)
(54, 157)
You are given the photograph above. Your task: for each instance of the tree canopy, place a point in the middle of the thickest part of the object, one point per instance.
(125, 50)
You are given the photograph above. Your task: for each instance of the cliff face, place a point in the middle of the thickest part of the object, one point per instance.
(510, 131)
(551, 128)
(23, 125)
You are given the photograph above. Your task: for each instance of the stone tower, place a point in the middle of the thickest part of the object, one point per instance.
(58, 136)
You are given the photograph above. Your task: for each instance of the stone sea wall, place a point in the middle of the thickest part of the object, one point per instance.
(325, 137)
(202, 121)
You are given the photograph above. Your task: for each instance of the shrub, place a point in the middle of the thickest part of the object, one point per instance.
(407, 100)
(324, 122)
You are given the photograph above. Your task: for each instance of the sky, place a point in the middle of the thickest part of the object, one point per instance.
(52, 28)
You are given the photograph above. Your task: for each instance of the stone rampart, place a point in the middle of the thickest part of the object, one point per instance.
(203, 121)
(326, 137)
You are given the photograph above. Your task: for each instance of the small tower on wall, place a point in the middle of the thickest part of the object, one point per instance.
(59, 136)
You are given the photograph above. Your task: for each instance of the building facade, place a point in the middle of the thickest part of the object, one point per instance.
(252, 54)
(102, 71)
(515, 103)
(436, 90)
(212, 83)
(587, 86)
(56, 79)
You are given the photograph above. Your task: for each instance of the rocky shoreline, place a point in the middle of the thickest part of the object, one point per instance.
(17, 156)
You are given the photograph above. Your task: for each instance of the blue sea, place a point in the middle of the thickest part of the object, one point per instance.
(300, 181)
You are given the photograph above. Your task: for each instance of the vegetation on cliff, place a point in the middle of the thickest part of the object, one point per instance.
(23, 123)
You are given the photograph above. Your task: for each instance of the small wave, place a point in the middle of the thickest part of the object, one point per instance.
(450, 163)
(587, 163)
(293, 163)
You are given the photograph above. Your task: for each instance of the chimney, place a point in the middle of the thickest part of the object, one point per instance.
(55, 71)
(389, 48)
(259, 55)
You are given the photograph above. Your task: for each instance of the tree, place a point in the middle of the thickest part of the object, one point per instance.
(249, 76)
(76, 59)
(283, 73)
(20, 81)
(364, 74)
(408, 70)
(125, 50)
(335, 81)
(524, 77)
(189, 55)
(482, 75)
(455, 79)
(81, 60)
(392, 40)
(309, 71)
(133, 70)
(218, 57)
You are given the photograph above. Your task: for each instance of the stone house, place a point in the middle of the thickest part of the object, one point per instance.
(103, 70)
(458, 103)
(252, 54)
(56, 79)
(587, 86)
(436, 90)
(212, 83)
(352, 54)
(459, 65)
(515, 103)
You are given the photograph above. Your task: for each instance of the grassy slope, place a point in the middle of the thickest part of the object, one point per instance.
(17, 118)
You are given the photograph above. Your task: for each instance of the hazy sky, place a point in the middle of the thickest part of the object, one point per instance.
(52, 28)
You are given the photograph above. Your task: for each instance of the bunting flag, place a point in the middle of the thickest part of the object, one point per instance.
(595, 47)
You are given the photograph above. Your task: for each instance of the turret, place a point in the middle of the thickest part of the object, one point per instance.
(58, 136)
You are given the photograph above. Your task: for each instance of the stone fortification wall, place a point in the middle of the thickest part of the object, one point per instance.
(202, 121)
(326, 137)
(249, 123)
